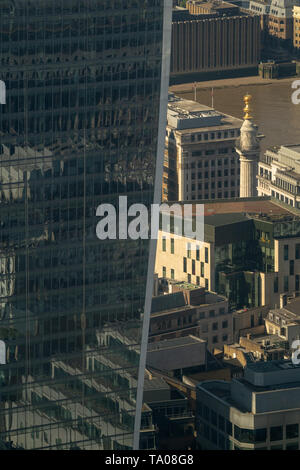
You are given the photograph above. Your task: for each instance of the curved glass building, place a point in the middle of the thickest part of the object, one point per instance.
(79, 127)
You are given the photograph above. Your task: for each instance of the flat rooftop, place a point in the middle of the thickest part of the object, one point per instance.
(272, 366)
(155, 383)
(290, 312)
(186, 285)
(187, 116)
(174, 343)
(243, 311)
(293, 307)
(274, 341)
(259, 206)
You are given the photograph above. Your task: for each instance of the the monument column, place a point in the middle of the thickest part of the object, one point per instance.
(248, 148)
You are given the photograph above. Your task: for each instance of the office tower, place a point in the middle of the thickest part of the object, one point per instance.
(201, 161)
(259, 411)
(248, 149)
(213, 39)
(250, 253)
(80, 128)
(279, 174)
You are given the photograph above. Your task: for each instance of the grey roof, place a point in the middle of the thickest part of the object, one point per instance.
(218, 220)
(174, 342)
(167, 302)
(156, 383)
(293, 307)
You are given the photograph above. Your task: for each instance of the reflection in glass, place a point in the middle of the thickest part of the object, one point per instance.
(79, 128)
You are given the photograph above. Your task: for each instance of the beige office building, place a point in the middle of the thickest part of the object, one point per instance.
(250, 253)
(201, 161)
(190, 310)
(279, 174)
(257, 412)
(296, 24)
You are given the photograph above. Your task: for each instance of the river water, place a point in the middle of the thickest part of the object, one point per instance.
(273, 111)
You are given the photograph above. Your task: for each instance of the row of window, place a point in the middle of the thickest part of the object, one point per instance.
(286, 252)
(220, 195)
(282, 198)
(200, 175)
(247, 435)
(189, 276)
(207, 163)
(212, 135)
(188, 320)
(220, 185)
(286, 283)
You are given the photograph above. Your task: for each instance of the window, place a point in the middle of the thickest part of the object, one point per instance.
(211, 313)
(193, 267)
(297, 277)
(222, 442)
(198, 280)
(250, 435)
(225, 338)
(188, 250)
(184, 265)
(197, 252)
(222, 311)
(189, 278)
(225, 324)
(292, 446)
(275, 284)
(276, 433)
(292, 431)
(286, 252)
(215, 326)
(172, 274)
(214, 418)
(164, 271)
(215, 339)
(291, 267)
(202, 269)
(297, 251)
(206, 284)
(206, 255)
(221, 423)
(164, 244)
(286, 283)
(172, 246)
(229, 427)
(206, 413)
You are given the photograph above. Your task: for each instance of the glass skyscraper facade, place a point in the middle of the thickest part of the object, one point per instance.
(79, 128)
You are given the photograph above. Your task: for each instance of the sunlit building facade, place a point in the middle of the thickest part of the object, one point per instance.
(79, 128)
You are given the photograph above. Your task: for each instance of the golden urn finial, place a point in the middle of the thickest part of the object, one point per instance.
(247, 108)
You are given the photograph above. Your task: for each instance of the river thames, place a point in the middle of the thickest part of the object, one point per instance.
(273, 111)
